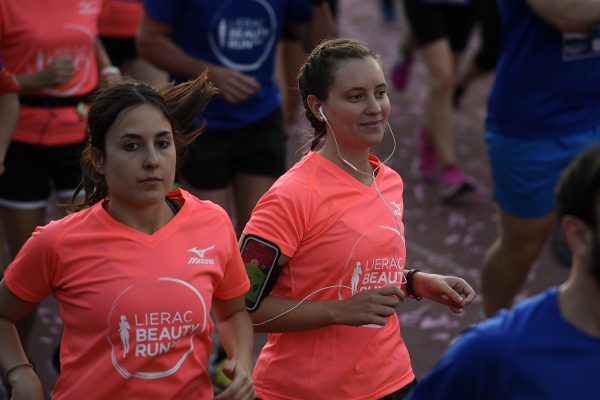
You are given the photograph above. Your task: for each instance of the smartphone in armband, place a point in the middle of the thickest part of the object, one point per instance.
(260, 257)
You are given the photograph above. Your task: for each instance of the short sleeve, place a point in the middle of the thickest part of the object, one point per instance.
(164, 11)
(235, 281)
(8, 83)
(470, 369)
(31, 274)
(280, 217)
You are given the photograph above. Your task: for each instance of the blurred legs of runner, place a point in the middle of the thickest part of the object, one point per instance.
(18, 226)
(439, 130)
(509, 259)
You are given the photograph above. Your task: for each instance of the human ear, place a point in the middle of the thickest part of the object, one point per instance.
(315, 107)
(97, 160)
(577, 234)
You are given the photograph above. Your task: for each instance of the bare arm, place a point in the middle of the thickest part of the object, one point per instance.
(366, 307)
(320, 27)
(56, 73)
(452, 291)
(9, 112)
(25, 383)
(276, 314)
(61, 70)
(153, 44)
(235, 331)
(568, 15)
(109, 75)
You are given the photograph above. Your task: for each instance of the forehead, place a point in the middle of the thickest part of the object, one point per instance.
(139, 119)
(358, 72)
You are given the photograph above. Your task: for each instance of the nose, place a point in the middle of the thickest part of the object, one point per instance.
(151, 160)
(373, 106)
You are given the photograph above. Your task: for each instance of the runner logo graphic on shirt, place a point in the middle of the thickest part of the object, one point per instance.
(376, 260)
(88, 8)
(200, 256)
(151, 336)
(76, 53)
(242, 37)
(397, 210)
(124, 329)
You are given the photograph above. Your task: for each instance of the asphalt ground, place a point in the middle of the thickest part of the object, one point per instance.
(441, 238)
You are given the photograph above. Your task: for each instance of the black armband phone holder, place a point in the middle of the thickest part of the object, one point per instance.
(261, 258)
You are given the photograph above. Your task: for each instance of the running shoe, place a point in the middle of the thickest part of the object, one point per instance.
(454, 183)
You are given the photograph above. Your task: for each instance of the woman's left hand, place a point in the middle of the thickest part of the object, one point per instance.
(242, 386)
(452, 291)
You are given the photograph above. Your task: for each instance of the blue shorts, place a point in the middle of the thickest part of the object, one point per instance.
(525, 171)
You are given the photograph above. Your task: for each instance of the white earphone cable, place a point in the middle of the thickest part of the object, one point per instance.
(374, 180)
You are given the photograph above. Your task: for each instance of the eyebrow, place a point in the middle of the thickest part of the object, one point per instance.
(131, 135)
(382, 84)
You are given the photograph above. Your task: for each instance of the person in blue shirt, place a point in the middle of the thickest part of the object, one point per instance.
(548, 346)
(244, 145)
(543, 109)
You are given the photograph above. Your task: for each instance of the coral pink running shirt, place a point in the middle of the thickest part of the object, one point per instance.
(33, 33)
(120, 18)
(338, 232)
(8, 83)
(135, 306)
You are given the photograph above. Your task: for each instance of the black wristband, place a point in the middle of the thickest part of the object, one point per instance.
(410, 289)
(316, 2)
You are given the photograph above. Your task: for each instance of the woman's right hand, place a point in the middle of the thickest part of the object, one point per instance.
(235, 86)
(25, 384)
(58, 72)
(371, 306)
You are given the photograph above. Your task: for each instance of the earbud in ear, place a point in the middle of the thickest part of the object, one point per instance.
(322, 113)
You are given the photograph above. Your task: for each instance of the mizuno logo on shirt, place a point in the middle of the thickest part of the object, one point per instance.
(200, 257)
(88, 8)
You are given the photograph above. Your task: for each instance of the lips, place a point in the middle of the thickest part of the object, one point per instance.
(151, 180)
(371, 123)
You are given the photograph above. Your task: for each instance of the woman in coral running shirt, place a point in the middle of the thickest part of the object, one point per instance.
(117, 25)
(138, 268)
(337, 218)
(53, 51)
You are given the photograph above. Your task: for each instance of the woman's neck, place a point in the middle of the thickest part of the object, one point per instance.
(145, 219)
(359, 159)
(579, 301)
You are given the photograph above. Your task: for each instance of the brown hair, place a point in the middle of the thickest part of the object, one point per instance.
(578, 189)
(181, 105)
(318, 74)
